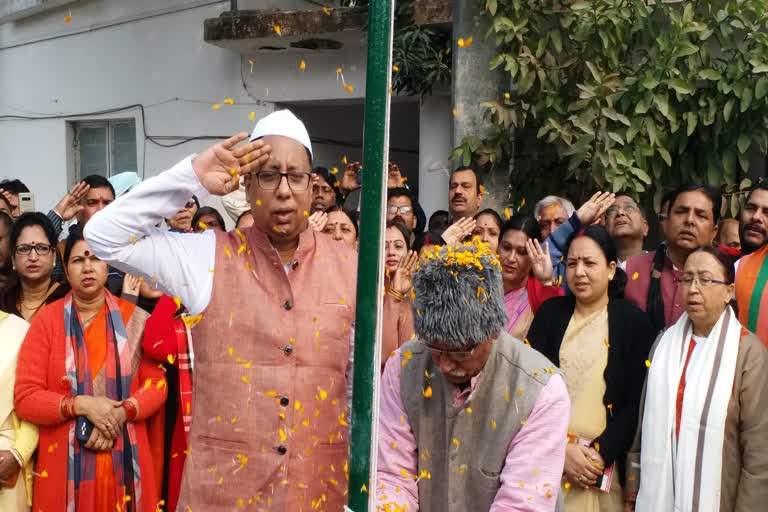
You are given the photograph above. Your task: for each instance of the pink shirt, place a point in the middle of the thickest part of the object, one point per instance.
(535, 456)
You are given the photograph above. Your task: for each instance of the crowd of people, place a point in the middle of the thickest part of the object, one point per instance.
(154, 360)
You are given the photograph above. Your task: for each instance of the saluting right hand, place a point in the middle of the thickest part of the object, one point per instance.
(220, 166)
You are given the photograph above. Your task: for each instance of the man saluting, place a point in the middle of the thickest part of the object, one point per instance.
(272, 345)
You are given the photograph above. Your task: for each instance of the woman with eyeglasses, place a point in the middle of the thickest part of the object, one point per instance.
(705, 419)
(83, 380)
(600, 342)
(33, 246)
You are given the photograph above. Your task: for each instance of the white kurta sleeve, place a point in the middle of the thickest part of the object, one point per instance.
(125, 235)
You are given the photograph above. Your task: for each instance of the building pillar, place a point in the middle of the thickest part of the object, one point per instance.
(474, 83)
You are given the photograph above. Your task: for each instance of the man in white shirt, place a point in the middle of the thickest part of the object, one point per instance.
(275, 306)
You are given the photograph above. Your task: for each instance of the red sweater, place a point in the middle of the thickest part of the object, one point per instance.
(41, 383)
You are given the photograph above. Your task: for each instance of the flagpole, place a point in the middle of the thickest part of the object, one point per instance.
(370, 273)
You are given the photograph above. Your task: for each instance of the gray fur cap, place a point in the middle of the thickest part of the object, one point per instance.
(459, 296)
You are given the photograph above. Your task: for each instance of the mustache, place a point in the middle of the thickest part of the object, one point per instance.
(755, 227)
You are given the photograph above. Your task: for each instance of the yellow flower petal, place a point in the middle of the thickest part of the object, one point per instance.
(229, 101)
(302, 65)
(647, 363)
(635, 276)
(216, 106)
(278, 31)
(252, 116)
(428, 392)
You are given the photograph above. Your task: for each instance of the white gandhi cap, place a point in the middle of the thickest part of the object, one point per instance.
(283, 122)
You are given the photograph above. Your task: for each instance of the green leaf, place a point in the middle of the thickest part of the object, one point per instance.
(595, 73)
(743, 143)
(467, 158)
(662, 103)
(581, 7)
(685, 48)
(713, 175)
(758, 67)
(681, 86)
(615, 116)
(491, 6)
(761, 88)
(729, 162)
(496, 61)
(746, 99)
(688, 13)
(557, 40)
(641, 174)
(650, 83)
(616, 137)
(745, 184)
(665, 155)
(642, 106)
(692, 120)
(728, 109)
(710, 74)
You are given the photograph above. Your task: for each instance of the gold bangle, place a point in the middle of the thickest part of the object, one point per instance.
(397, 295)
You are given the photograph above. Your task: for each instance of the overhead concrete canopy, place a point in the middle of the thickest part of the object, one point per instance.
(251, 32)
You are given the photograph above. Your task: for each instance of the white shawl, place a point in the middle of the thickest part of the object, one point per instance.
(685, 475)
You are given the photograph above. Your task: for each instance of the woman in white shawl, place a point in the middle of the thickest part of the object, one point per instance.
(18, 439)
(705, 419)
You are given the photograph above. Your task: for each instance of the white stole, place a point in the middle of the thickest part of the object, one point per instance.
(685, 475)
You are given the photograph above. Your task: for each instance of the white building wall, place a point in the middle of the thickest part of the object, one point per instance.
(117, 53)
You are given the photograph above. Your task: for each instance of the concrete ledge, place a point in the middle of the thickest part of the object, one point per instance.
(248, 32)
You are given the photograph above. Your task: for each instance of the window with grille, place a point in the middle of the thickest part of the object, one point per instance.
(105, 147)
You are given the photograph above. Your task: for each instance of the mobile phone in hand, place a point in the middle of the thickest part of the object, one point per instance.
(26, 202)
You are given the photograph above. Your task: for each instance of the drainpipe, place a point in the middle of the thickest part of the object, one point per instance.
(370, 273)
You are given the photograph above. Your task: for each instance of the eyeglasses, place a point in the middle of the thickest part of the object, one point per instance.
(189, 204)
(270, 180)
(687, 281)
(400, 209)
(40, 249)
(455, 355)
(614, 210)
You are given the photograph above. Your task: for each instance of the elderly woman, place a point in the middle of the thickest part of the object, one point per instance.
(82, 379)
(527, 273)
(601, 343)
(18, 438)
(705, 419)
(33, 248)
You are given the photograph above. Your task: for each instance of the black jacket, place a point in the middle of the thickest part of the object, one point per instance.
(630, 337)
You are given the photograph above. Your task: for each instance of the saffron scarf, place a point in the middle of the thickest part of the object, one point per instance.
(752, 292)
(118, 374)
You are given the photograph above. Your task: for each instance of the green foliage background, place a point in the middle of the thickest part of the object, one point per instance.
(631, 95)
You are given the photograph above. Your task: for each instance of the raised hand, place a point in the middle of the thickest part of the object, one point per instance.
(402, 280)
(131, 285)
(220, 166)
(459, 230)
(541, 262)
(596, 207)
(70, 205)
(318, 220)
